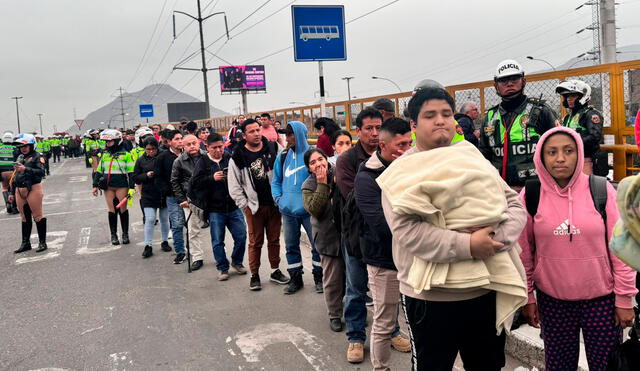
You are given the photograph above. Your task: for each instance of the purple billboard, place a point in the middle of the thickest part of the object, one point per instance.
(236, 78)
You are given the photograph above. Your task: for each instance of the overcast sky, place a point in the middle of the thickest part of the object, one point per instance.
(64, 54)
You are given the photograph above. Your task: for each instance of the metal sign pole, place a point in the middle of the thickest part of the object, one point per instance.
(245, 110)
(322, 101)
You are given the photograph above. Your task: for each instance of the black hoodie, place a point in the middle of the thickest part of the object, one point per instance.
(207, 193)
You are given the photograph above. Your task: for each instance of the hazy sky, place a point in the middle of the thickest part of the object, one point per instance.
(64, 54)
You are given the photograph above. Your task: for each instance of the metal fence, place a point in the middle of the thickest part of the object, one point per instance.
(615, 92)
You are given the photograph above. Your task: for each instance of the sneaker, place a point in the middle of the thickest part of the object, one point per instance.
(355, 353)
(223, 275)
(147, 252)
(165, 246)
(278, 277)
(401, 344)
(179, 258)
(369, 301)
(254, 284)
(196, 265)
(239, 269)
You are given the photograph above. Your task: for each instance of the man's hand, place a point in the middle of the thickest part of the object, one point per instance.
(476, 133)
(94, 192)
(321, 175)
(482, 244)
(149, 174)
(184, 204)
(530, 313)
(624, 317)
(219, 176)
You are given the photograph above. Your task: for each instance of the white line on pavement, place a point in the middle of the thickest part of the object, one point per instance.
(53, 214)
(55, 242)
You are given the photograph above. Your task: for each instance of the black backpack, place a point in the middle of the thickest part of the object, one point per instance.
(347, 216)
(597, 187)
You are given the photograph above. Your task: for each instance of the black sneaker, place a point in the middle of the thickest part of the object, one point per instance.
(165, 246)
(278, 277)
(179, 258)
(148, 251)
(254, 284)
(196, 265)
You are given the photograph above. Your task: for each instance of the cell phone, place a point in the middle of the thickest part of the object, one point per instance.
(225, 170)
(16, 164)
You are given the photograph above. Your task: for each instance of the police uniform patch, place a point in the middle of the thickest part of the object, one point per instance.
(524, 120)
(489, 129)
(595, 119)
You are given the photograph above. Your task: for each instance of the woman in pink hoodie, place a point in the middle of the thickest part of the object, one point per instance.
(579, 284)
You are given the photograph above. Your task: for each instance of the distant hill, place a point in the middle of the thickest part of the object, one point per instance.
(625, 53)
(157, 94)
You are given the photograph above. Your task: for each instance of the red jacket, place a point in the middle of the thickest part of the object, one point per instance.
(324, 143)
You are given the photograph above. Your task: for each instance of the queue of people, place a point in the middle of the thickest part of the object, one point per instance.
(397, 217)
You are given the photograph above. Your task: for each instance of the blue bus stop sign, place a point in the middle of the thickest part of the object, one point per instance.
(318, 33)
(146, 110)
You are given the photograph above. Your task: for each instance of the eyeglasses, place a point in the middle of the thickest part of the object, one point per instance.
(506, 79)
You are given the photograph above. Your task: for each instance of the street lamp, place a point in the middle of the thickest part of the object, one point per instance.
(348, 80)
(17, 111)
(386, 79)
(541, 60)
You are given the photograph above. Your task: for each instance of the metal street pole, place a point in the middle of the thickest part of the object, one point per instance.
(124, 126)
(348, 79)
(608, 30)
(322, 101)
(541, 60)
(385, 79)
(40, 117)
(17, 112)
(204, 70)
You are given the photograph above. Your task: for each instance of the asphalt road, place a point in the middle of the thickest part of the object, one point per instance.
(85, 305)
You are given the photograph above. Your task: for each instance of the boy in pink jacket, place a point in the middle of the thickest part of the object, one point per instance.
(579, 284)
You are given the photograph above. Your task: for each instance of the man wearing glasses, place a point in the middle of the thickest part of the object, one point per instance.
(512, 128)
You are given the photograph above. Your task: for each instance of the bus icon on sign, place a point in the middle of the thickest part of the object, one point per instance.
(319, 32)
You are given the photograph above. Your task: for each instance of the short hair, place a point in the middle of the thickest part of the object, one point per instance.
(214, 137)
(150, 141)
(191, 126)
(368, 112)
(170, 134)
(200, 130)
(427, 94)
(156, 125)
(129, 132)
(395, 126)
(466, 107)
(267, 115)
(339, 133)
(247, 122)
(384, 104)
(307, 155)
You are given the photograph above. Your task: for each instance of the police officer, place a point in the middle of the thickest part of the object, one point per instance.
(114, 176)
(43, 147)
(26, 189)
(8, 155)
(56, 148)
(512, 128)
(140, 135)
(583, 118)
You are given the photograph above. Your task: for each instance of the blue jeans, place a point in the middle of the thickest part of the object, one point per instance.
(292, 226)
(176, 219)
(234, 221)
(355, 309)
(149, 222)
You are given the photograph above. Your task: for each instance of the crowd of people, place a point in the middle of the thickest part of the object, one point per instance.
(460, 223)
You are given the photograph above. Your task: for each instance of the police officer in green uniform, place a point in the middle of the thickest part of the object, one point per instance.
(512, 128)
(56, 148)
(583, 118)
(140, 136)
(8, 155)
(44, 148)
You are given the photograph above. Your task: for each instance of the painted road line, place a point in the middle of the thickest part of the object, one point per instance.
(55, 242)
(83, 244)
(54, 214)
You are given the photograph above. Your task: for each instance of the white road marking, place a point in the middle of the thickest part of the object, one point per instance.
(253, 341)
(52, 214)
(53, 198)
(50, 369)
(92, 330)
(77, 179)
(119, 361)
(83, 244)
(137, 226)
(54, 246)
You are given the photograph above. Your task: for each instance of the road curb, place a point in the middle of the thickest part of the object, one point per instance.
(525, 345)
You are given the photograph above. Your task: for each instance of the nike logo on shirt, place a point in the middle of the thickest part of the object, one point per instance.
(290, 172)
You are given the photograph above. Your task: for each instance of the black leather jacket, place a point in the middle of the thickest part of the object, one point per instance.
(33, 173)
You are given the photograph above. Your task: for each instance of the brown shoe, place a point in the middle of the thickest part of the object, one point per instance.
(355, 353)
(401, 344)
(223, 275)
(239, 269)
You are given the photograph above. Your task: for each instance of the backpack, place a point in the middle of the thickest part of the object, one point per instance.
(351, 221)
(597, 187)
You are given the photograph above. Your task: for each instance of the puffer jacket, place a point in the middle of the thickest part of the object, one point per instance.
(317, 201)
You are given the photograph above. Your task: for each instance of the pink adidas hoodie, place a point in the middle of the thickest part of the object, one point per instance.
(563, 248)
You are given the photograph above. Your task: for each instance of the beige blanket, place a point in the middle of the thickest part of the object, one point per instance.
(456, 188)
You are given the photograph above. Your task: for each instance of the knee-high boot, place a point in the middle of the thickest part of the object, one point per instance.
(26, 236)
(124, 223)
(41, 226)
(113, 227)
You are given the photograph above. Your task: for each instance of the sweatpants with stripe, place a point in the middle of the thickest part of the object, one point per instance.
(561, 322)
(292, 233)
(441, 329)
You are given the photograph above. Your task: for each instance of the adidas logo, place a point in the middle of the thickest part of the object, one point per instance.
(563, 229)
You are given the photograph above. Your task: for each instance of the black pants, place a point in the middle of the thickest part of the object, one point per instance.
(56, 154)
(439, 330)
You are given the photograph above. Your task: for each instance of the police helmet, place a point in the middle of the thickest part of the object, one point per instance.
(111, 134)
(575, 87)
(508, 67)
(141, 133)
(7, 137)
(24, 139)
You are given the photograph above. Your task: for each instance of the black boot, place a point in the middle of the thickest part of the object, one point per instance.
(26, 235)
(295, 284)
(124, 223)
(41, 226)
(5, 196)
(317, 279)
(113, 227)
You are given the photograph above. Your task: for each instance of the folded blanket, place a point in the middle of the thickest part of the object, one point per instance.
(456, 188)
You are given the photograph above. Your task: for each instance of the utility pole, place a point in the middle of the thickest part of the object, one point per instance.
(122, 109)
(204, 69)
(17, 112)
(348, 79)
(40, 117)
(608, 30)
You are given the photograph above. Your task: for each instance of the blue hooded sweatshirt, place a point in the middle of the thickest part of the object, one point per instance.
(286, 188)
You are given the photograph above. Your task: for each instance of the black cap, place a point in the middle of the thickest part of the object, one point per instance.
(385, 104)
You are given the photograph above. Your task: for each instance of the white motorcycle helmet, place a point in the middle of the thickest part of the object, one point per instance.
(111, 134)
(508, 67)
(7, 137)
(575, 87)
(141, 133)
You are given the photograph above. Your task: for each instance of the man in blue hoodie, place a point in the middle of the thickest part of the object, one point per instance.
(288, 175)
